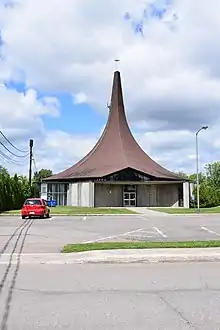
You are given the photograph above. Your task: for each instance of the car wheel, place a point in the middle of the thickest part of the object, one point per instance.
(42, 216)
(23, 217)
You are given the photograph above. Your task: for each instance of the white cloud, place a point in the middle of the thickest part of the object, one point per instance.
(171, 80)
(79, 98)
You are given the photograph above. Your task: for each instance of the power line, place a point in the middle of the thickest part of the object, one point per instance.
(19, 156)
(35, 166)
(8, 159)
(22, 151)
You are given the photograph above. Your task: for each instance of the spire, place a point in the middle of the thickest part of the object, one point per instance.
(117, 101)
(117, 117)
(116, 149)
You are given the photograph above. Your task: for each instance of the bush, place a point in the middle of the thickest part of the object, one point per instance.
(208, 196)
(13, 190)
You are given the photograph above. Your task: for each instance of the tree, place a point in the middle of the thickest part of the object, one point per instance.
(13, 190)
(38, 176)
(209, 186)
(42, 174)
(207, 196)
(213, 175)
(193, 177)
(182, 174)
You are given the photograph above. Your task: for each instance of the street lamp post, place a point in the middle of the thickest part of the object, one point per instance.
(197, 165)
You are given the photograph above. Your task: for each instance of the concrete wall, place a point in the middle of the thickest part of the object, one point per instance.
(111, 195)
(143, 195)
(186, 194)
(108, 195)
(69, 195)
(168, 195)
(81, 194)
(164, 195)
(72, 197)
(87, 194)
(43, 191)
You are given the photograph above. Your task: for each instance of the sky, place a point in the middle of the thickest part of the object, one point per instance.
(57, 64)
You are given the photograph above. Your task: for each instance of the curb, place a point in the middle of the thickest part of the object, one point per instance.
(77, 215)
(118, 257)
(196, 214)
(146, 256)
(117, 214)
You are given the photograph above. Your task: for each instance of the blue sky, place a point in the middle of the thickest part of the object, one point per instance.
(79, 119)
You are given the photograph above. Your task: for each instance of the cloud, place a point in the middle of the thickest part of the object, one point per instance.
(170, 78)
(21, 120)
(79, 98)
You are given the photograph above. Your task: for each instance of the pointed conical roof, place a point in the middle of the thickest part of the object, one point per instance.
(116, 149)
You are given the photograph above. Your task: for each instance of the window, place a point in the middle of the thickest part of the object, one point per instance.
(125, 175)
(33, 202)
(58, 192)
(43, 190)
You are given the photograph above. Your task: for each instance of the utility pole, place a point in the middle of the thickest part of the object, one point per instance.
(31, 143)
(197, 166)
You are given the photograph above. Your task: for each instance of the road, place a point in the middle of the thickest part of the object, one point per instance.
(134, 296)
(49, 236)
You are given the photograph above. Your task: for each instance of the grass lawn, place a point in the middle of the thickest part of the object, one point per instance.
(137, 245)
(71, 210)
(173, 210)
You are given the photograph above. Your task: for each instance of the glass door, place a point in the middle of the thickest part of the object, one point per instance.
(129, 196)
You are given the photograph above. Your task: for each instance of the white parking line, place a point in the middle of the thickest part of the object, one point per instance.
(210, 231)
(84, 218)
(110, 237)
(160, 232)
(140, 234)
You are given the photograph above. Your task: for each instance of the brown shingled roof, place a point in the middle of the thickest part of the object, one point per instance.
(116, 149)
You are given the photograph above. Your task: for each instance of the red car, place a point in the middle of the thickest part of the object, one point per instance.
(35, 207)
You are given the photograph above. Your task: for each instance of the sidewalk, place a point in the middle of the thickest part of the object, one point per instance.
(119, 256)
(146, 212)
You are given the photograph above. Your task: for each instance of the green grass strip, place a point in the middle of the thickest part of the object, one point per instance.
(73, 210)
(137, 245)
(173, 210)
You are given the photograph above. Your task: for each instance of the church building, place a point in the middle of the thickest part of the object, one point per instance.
(117, 172)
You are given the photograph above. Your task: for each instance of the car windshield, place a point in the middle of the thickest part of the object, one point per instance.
(32, 202)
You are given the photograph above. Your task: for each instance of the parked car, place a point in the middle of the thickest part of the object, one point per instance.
(35, 207)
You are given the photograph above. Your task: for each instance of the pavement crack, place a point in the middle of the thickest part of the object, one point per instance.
(177, 311)
(107, 291)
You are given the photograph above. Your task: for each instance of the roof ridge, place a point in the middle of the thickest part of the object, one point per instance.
(119, 121)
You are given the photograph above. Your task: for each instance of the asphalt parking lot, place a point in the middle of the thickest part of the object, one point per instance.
(50, 235)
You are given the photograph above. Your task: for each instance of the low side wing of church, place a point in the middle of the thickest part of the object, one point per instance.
(117, 172)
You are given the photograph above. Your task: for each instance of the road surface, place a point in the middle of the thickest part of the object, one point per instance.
(124, 297)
